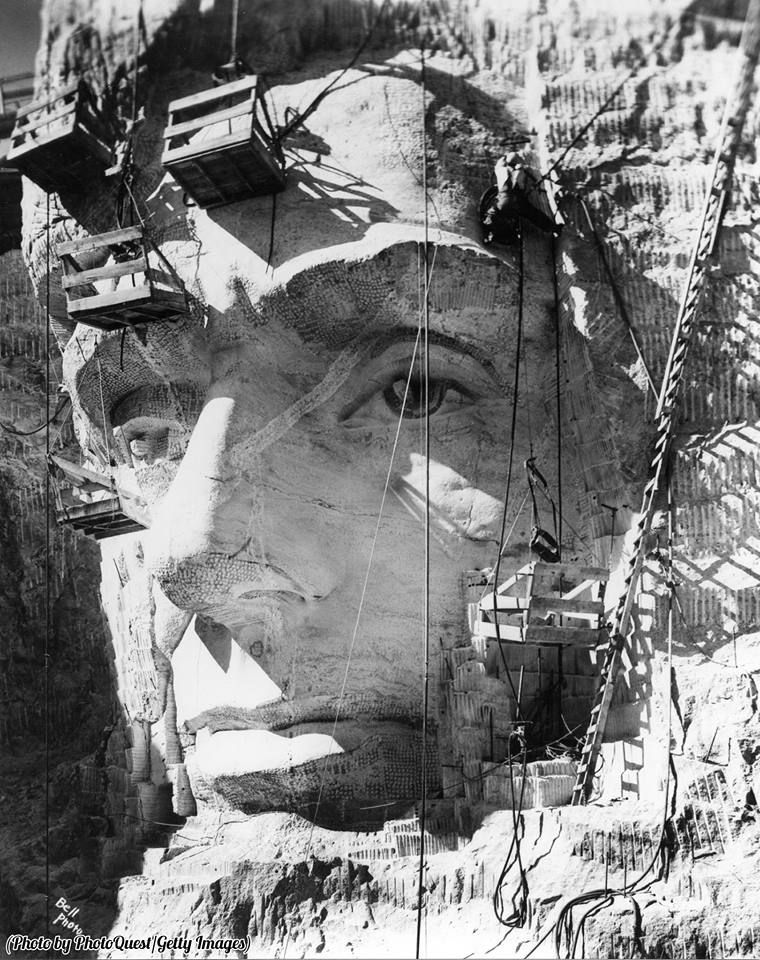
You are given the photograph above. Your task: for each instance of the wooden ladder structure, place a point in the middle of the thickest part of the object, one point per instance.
(735, 112)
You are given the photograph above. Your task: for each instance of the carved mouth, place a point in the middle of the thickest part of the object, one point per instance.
(315, 774)
(294, 716)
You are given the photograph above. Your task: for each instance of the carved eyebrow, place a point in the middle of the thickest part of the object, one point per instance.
(381, 341)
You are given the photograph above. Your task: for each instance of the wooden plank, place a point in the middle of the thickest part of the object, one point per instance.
(546, 636)
(187, 126)
(91, 512)
(82, 474)
(578, 571)
(43, 104)
(114, 298)
(542, 605)
(215, 93)
(504, 603)
(108, 272)
(201, 148)
(44, 120)
(171, 298)
(101, 534)
(98, 240)
(572, 636)
(56, 140)
(505, 632)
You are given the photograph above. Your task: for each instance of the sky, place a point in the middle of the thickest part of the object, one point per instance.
(19, 35)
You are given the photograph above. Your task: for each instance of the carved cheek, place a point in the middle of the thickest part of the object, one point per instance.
(457, 506)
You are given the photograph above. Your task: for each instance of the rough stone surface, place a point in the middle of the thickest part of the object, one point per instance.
(259, 429)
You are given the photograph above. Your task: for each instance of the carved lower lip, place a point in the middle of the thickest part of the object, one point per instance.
(290, 715)
(236, 753)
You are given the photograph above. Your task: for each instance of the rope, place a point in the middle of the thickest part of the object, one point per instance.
(555, 285)
(48, 617)
(513, 434)
(642, 59)
(103, 409)
(302, 117)
(603, 897)
(490, 578)
(29, 433)
(514, 856)
(617, 296)
(426, 598)
(234, 37)
(272, 224)
(125, 201)
(362, 597)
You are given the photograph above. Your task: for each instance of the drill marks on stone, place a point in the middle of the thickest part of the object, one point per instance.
(401, 838)
(648, 192)
(350, 783)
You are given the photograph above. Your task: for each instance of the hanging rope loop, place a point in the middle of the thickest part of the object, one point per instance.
(542, 543)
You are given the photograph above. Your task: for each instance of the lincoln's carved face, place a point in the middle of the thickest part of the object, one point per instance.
(279, 444)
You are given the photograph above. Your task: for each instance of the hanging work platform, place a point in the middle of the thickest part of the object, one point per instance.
(61, 142)
(10, 208)
(546, 603)
(99, 519)
(135, 284)
(91, 503)
(220, 144)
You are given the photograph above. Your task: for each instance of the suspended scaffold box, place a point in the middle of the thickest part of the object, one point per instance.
(91, 503)
(100, 519)
(545, 603)
(220, 144)
(135, 284)
(10, 208)
(61, 142)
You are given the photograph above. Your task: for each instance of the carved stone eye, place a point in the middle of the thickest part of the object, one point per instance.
(151, 439)
(415, 400)
(150, 446)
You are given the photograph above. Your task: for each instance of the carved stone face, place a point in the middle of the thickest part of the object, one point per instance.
(280, 448)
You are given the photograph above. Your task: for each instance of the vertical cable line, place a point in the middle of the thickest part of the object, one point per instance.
(555, 283)
(510, 462)
(360, 610)
(426, 597)
(46, 651)
(233, 39)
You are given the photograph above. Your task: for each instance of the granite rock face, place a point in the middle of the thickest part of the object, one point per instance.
(266, 632)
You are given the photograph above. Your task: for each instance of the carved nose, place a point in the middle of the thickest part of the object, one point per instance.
(197, 520)
(206, 547)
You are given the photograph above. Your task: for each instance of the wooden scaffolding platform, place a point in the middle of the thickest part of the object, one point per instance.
(89, 502)
(99, 519)
(134, 286)
(545, 603)
(61, 142)
(219, 145)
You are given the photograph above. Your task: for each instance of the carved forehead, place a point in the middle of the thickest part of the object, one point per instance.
(472, 295)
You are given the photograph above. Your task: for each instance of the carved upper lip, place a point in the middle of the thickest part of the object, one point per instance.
(215, 584)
